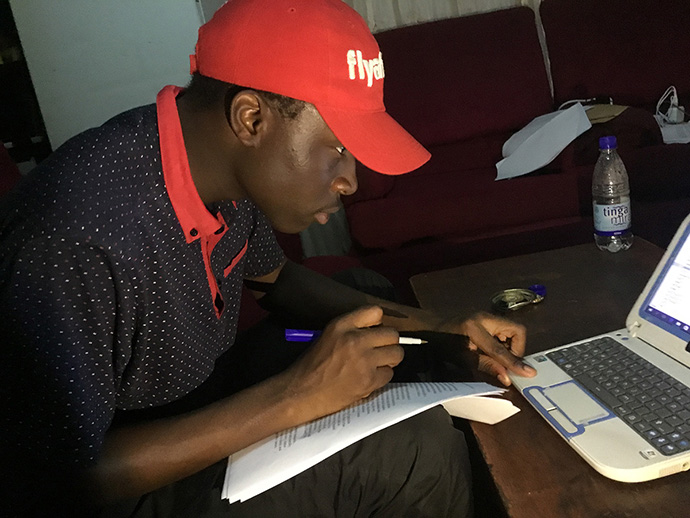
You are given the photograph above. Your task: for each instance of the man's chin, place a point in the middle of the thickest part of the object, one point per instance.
(290, 228)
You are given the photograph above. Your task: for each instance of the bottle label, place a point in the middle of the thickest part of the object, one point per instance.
(611, 220)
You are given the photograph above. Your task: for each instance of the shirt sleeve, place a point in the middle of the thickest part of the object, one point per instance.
(64, 325)
(264, 254)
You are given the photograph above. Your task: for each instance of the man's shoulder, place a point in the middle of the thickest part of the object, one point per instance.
(99, 183)
(137, 124)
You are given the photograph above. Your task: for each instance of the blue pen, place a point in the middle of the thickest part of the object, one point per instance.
(301, 335)
(304, 335)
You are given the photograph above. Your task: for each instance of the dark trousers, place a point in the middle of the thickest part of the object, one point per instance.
(416, 468)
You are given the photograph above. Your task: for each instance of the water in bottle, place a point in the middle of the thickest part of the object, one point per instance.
(611, 199)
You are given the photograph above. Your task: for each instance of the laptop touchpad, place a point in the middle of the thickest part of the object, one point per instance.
(574, 402)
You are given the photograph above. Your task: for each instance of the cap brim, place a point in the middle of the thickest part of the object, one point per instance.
(376, 140)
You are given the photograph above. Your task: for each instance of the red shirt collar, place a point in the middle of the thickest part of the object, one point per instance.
(195, 219)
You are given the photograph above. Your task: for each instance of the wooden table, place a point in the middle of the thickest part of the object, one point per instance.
(588, 291)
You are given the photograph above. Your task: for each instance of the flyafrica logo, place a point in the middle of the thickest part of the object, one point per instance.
(361, 68)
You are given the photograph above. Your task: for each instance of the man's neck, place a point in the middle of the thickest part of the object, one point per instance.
(209, 151)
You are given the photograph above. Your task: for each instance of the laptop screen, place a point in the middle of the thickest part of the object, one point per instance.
(668, 303)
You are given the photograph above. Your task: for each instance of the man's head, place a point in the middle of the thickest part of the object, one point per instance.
(275, 150)
(207, 93)
(318, 51)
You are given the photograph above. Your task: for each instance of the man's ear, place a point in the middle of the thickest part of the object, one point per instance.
(249, 116)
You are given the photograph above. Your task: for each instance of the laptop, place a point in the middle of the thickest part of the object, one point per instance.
(622, 399)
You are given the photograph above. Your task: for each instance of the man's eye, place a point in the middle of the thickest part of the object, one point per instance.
(340, 149)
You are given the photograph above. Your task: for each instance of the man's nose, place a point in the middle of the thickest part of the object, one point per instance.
(345, 183)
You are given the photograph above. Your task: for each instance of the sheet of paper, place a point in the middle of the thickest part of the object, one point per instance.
(541, 141)
(600, 113)
(282, 456)
(674, 133)
(488, 410)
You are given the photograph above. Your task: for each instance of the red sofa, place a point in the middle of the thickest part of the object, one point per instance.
(463, 86)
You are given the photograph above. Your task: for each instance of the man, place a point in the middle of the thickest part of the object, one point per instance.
(123, 259)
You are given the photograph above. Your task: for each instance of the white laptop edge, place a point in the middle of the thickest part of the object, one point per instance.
(636, 324)
(612, 457)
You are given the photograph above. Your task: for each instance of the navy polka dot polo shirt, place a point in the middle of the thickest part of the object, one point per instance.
(119, 288)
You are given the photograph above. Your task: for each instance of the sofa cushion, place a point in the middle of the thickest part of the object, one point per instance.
(457, 204)
(463, 77)
(631, 50)
(659, 172)
(634, 129)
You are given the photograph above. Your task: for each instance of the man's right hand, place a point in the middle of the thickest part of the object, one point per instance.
(354, 356)
(347, 363)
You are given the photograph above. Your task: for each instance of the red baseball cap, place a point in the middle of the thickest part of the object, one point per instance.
(318, 51)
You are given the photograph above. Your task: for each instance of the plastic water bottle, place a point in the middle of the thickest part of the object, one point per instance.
(611, 199)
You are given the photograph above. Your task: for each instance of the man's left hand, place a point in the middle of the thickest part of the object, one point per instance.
(499, 342)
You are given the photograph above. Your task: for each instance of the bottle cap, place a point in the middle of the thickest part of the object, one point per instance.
(539, 289)
(608, 142)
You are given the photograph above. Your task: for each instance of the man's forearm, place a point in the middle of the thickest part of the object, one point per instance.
(353, 357)
(140, 458)
(312, 298)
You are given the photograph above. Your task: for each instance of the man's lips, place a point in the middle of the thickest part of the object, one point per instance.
(324, 215)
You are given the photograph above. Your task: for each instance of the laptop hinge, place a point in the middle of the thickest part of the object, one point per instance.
(634, 327)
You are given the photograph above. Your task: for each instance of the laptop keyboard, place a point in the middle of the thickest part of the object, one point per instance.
(651, 402)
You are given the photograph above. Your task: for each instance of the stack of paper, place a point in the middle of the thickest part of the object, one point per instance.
(284, 455)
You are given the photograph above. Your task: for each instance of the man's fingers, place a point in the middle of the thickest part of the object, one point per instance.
(507, 331)
(382, 377)
(512, 362)
(368, 316)
(492, 367)
(361, 332)
(498, 352)
(514, 340)
(487, 332)
(367, 320)
(387, 355)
